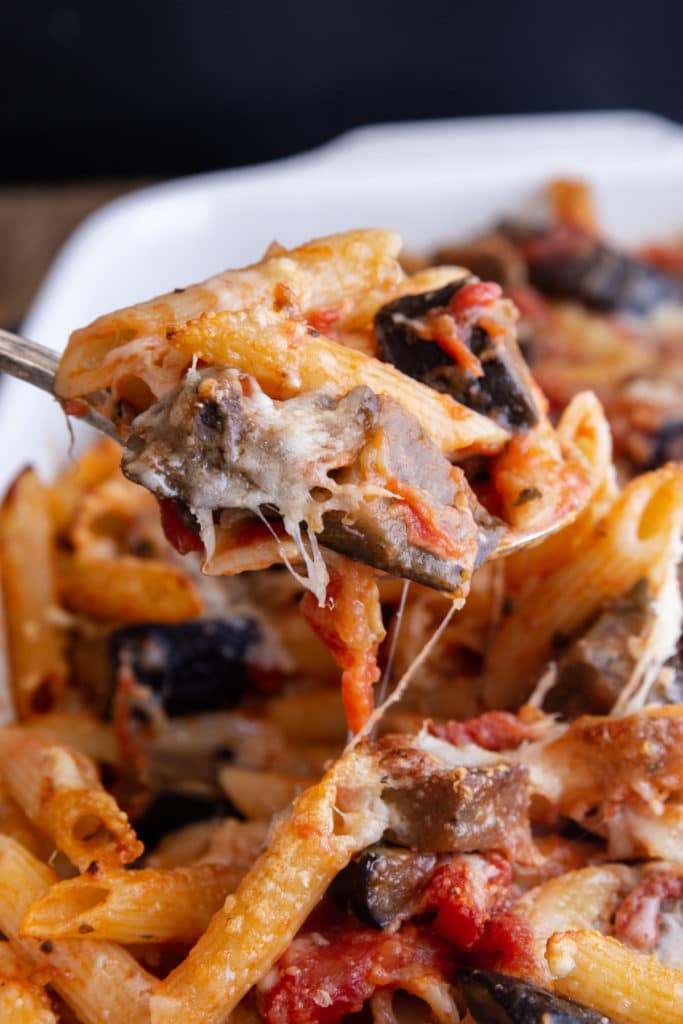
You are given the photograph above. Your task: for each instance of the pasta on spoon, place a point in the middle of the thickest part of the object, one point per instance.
(324, 400)
(284, 391)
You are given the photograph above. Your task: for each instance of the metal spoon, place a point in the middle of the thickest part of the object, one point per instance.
(37, 365)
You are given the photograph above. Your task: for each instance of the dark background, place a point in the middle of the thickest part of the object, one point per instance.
(160, 87)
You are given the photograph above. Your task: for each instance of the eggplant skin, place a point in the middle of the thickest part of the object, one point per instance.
(667, 444)
(503, 393)
(593, 670)
(188, 666)
(494, 998)
(402, 346)
(383, 883)
(603, 279)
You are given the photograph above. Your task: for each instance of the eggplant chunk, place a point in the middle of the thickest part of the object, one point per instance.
(441, 808)
(383, 883)
(503, 393)
(494, 998)
(380, 535)
(189, 666)
(222, 448)
(594, 669)
(568, 264)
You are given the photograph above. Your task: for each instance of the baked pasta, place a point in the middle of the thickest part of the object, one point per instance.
(350, 460)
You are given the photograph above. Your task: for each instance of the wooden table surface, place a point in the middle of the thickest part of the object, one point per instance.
(34, 221)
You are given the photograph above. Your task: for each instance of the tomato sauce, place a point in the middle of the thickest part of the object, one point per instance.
(321, 979)
(494, 730)
(177, 534)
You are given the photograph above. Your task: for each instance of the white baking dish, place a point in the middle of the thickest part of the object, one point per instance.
(431, 181)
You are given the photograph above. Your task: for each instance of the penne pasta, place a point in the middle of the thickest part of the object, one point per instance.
(14, 823)
(322, 275)
(99, 981)
(59, 790)
(600, 972)
(633, 540)
(133, 907)
(235, 842)
(601, 770)
(572, 203)
(583, 430)
(36, 644)
(126, 589)
(81, 730)
(577, 900)
(327, 825)
(322, 428)
(248, 548)
(215, 841)
(261, 794)
(315, 714)
(287, 359)
(22, 1001)
(94, 466)
(642, 831)
(535, 484)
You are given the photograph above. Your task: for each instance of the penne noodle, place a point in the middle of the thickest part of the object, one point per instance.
(59, 790)
(287, 359)
(22, 1001)
(14, 823)
(641, 831)
(99, 981)
(127, 589)
(235, 842)
(631, 764)
(310, 657)
(133, 907)
(93, 467)
(260, 794)
(247, 549)
(583, 899)
(117, 518)
(322, 275)
(310, 715)
(536, 485)
(328, 824)
(80, 729)
(572, 203)
(633, 540)
(583, 431)
(36, 644)
(184, 845)
(216, 841)
(600, 972)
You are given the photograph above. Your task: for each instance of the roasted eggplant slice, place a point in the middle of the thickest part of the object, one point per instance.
(380, 535)
(494, 998)
(359, 472)
(439, 807)
(503, 392)
(189, 666)
(566, 263)
(594, 669)
(383, 883)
